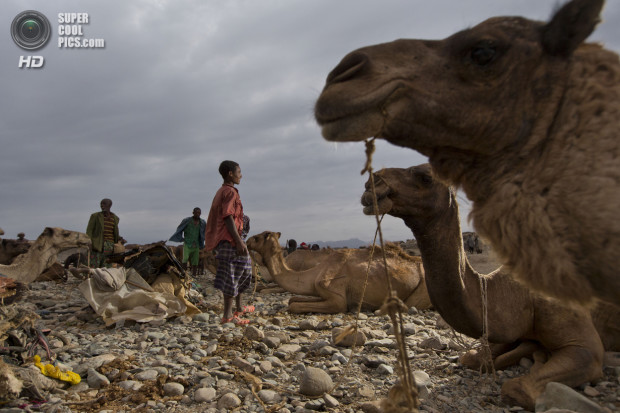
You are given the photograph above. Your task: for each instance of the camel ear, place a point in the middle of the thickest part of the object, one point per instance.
(570, 26)
(48, 231)
(278, 234)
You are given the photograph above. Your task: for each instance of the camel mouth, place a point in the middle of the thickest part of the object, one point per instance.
(384, 205)
(355, 118)
(352, 128)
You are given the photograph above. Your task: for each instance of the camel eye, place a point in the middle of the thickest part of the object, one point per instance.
(483, 53)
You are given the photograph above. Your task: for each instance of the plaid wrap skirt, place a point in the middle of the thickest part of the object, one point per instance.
(234, 272)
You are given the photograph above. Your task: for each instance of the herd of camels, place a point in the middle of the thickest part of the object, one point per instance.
(523, 116)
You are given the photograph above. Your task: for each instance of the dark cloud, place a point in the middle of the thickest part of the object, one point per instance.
(182, 85)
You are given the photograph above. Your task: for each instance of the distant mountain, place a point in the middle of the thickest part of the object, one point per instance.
(349, 243)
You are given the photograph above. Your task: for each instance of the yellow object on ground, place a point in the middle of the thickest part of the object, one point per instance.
(50, 370)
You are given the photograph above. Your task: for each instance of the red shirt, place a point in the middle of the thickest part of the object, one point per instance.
(226, 202)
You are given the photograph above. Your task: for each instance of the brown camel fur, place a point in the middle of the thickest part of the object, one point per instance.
(11, 248)
(518, 321)
(524, 117)
(43, 253)
(336, 284)
(300, 260)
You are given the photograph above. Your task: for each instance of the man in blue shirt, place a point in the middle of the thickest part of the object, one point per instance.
(191, 232)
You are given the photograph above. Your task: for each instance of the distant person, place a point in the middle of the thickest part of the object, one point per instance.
(21, 237)
(103, 232)
(224, 235)
(191, 232)
(291, 245)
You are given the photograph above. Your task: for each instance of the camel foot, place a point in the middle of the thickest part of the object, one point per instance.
(520, 392)
(473, 360)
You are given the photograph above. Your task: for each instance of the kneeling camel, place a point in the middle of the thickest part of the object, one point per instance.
(519, 321)
(336, 284)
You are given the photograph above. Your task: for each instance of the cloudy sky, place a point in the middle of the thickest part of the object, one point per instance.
(182, 85)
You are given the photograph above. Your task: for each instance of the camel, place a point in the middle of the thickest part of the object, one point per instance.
(519, 321)
(43, 253)
(10, 248)
(523, 116)
(336, 284)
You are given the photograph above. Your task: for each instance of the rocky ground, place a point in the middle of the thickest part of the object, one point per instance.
(199, 365)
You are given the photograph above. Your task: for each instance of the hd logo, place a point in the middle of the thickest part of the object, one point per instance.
(28, 62)
(30, 30)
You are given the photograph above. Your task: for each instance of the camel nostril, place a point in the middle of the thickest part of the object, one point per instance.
(348, 68)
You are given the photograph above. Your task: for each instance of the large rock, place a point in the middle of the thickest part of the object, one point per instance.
(355, 338)
(204, 394)
(315, 382)
(228, 401)
(560, 396)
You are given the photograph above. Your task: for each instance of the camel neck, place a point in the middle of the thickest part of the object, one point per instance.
(453, 285)
(296, 282)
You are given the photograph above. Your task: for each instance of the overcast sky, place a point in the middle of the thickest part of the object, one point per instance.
(182, 85)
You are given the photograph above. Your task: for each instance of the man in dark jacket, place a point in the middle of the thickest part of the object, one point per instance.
(103, 232)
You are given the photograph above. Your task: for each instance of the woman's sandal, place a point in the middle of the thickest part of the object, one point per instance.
(245, 309)
(235, 320)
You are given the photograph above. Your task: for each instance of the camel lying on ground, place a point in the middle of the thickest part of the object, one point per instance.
(519, 321)
(524, 117)
(43, 253)
(336, 284)
(10, 248)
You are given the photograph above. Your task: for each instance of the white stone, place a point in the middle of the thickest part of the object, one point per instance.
(204, 394)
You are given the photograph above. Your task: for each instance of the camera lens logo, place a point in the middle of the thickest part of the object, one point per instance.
(30, 30)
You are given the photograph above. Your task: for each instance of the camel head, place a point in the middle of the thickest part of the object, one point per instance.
(14, 247)
(411, 193)
(62, 239)
(462, 99)
(266, 243)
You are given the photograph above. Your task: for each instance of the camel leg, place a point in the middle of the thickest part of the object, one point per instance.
(331, 298)
(304, 299)
(575, 354)
(303, 304)
(570, 365)
(512, 357)
(504, 355)
(326, 307)
(419, 298)
(272, 290)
